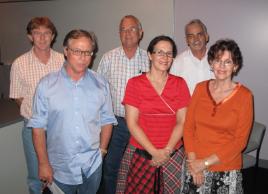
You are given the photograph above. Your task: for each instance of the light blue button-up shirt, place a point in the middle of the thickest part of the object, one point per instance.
(72, 113)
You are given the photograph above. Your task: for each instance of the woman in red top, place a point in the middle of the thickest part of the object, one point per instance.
(155, 104)
(217, 126)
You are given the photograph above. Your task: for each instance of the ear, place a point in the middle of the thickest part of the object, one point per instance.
(235, 69)
(149, 56)
(65, 51)
(52, 38)
(30, 37)
(211, 67)
(140, 33)
(207, 37)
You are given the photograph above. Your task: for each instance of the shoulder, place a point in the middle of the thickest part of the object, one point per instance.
(182, 55)
(177, 81)
(137, 81)
(115, 51)
(202, 85)
(50, 79)
(22, 58)
(100, 80)
(244, 91)
(57, 54)
(176, 78)
(142, 52)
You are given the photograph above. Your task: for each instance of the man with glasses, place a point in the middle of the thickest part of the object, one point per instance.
(192, 64)
(72, 119)
(26, 71)
(118, 66)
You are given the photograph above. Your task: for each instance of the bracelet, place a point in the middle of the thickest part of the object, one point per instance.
(206, 163)
(103, 151)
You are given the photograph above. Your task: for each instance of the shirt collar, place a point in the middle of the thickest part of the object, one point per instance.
(122, 52)
(204, 58)
(67, 77)
(36, 58)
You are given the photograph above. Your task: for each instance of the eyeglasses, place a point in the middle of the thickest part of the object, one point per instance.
(78, 52)
(130, 30)
(226, 63)
(161, 53)
(46, 34)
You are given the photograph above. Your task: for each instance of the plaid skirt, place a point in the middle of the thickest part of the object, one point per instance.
(136, 175)
(226, 182)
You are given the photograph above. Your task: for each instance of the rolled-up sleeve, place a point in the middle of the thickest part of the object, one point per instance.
(107, 114)
(39, 118)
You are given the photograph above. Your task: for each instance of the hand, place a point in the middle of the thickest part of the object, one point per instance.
(45, 174)
(196, 166)
(198, 179)
(160, 157)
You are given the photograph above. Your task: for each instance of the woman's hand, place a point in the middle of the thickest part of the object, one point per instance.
(198, 178)
(196, 166)
(160, 157)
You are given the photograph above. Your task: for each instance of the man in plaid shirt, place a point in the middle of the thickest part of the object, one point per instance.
(26, 71)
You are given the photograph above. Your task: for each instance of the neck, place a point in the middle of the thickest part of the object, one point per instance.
(74, 75)
(42, 55)
(199, 53)
(223, 85)
(157, 76)
(130, 51)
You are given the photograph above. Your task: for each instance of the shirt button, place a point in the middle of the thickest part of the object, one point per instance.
(76, 112)
(77, 142)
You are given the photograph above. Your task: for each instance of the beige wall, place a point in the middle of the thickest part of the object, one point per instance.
(100, 16)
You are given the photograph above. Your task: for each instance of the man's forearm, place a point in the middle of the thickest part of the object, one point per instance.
(39, 141)
(105, 136)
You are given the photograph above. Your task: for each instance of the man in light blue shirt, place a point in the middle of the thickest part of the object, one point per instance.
(73, 106)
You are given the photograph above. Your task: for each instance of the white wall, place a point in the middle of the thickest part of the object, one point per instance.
(100, 16)
(12, 164)
(246, 22)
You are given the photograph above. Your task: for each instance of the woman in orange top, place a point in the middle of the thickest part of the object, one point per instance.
(217, 126)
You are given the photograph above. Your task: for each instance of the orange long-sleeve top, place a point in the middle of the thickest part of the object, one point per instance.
(220, 129)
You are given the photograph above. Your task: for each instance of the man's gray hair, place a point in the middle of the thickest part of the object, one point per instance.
(196, 21)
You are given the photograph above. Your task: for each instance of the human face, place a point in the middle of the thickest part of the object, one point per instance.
(162, 56)
(78, 54)
(196, 38)
(41, 38)
(130, 33)
(223, 67)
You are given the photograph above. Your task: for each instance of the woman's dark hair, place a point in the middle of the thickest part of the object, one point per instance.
(157, 39)
(217, 50)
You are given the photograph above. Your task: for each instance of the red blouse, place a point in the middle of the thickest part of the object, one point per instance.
(157, 114)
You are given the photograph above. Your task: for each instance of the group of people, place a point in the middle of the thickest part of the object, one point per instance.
(146, 122)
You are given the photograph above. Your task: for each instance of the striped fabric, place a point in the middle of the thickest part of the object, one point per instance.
(26, 72)
(171, 172)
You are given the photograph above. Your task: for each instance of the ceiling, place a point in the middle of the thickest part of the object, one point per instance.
(15, 1)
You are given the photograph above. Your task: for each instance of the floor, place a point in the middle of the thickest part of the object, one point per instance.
(254, 182)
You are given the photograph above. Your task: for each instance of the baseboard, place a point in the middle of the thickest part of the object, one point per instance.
(263, 163)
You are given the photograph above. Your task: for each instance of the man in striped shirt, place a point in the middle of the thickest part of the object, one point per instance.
(26, 71)
(117, 66)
